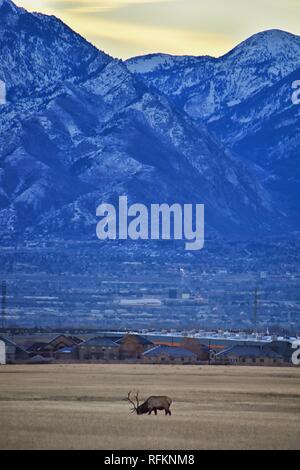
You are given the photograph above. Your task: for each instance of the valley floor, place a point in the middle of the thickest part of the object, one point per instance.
(84, 407)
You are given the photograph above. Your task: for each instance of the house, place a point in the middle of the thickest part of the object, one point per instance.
(98, 349)
(67, 354)
(169, 355)
(13, 352)
(63, 341)
(133, 346)
(201, 350)
(38, 348)
(284, 348)
(250, 355)
(2, 353)
(50, 348)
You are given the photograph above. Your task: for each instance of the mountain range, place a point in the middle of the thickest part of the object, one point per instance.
(244, 99)
(80, 128)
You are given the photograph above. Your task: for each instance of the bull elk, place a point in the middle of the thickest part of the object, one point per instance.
(151, 404)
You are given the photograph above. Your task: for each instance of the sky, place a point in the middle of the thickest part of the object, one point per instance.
(127, 28)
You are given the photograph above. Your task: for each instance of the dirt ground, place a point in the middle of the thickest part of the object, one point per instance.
(84, 407)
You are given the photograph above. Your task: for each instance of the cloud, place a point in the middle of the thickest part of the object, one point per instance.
(125, 28)
(106, 5)
(151, 38)
(83, 6)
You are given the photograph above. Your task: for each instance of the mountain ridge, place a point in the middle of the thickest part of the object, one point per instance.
(76, 136)
(217, 92)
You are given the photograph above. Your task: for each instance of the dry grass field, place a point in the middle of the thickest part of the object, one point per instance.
(84, 407)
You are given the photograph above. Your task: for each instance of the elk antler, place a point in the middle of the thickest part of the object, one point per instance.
(137, 399)
(132, 403)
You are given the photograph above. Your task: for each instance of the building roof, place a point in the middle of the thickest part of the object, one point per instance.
(8, 342)
(114, 338)
(249, 351)
(74, 339)
(166, 339)
(37, 346)
(141, 339)
(169, 351)
(100, 342)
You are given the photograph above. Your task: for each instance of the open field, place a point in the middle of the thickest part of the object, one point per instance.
(83, 407)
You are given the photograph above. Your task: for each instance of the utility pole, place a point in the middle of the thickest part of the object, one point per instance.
(3, 303)
(255, 306)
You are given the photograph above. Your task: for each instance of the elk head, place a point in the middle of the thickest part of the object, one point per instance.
(135, 406)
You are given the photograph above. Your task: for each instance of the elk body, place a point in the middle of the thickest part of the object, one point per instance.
(151, 404)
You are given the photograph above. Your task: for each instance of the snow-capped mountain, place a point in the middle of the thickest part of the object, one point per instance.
(206, 87)
(80, 128)
(39, 51)
(244, 98)
(265, 130)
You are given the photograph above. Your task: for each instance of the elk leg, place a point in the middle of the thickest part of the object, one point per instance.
(170, 414)
(150, 411)
(155, 411)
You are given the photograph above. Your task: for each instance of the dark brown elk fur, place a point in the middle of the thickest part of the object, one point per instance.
(151, 404)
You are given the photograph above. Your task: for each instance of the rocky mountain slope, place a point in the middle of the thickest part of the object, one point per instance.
(81, 128)
(244, 98)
